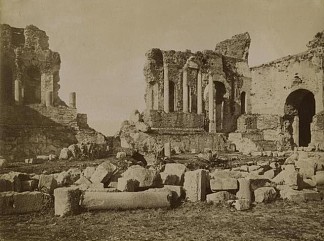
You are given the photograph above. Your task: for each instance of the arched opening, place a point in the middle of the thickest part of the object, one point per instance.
(6, 85)
(243, 96)
(219, 107)
(172, 97)
(32, 92)
(301, 104)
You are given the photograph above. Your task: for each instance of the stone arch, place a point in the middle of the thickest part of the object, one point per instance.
(32, 85)
(6, 85)
(299, 110)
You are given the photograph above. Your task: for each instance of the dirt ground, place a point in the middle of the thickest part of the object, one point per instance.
(190, 221)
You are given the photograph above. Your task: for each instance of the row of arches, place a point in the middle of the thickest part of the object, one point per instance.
(31, 88)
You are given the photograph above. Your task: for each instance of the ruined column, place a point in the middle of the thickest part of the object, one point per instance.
(166, 98)
(49, 98)
(185, 89)
(296, 130)
(211, 98)
(222, 116)
(199, 93)
(18, 97)
(72, 102)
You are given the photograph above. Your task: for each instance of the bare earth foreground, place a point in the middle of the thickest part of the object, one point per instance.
(277, 221)
(280, 220)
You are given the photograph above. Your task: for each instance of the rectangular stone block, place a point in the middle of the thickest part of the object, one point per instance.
(125, 200)
(222, 184)
(195, 185)
(17, 203)
(127, 185)
(67, 201)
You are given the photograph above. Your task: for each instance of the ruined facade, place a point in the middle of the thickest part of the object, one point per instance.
(288, 94)
(203, 91)
(278, 105)
(34, 120)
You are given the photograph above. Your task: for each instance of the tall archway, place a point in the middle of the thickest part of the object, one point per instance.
(243, 102)
(219, 105)
(172, 96)
(6, 85)
(301, 104)
(32, 92)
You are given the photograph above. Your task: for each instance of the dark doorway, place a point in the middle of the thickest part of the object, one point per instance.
(171, 96)
(32, 94)
(301, 103)
(6, 85)
(243, 95)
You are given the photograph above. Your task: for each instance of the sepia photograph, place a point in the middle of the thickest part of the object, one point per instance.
(162, 120)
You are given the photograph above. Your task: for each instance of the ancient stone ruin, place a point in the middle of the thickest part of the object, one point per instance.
(34, 120)
(214, 130)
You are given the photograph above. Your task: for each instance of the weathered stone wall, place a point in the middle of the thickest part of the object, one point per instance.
(31, 123)
(265, 127)
(160, 119)
(274, 81)
(230, 73)
(317, 130)
(26, 55)
(188, 142)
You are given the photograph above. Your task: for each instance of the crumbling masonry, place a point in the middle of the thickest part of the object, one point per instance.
(34, 120)
(278, 105)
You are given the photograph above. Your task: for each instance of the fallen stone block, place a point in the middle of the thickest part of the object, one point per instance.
(84, 182)
(228, 174)
(173, 174)
(242, 204)
(65, 154)
(220, 184)
(219, 197)
(121, 155)
(12, 181)
(127, 185)
(265, 194)
(66, 201)
(63, 179)
(3, 163)
(178, 190)
(29, 185)
(167, 149)
(42, 158)
(319, 178)
(290, 178)
(244, 191)
(300, 196)
(259, 181)
(75, 173)
(269, 174)
(47, 183)
(17, 203)
(146, 177)
(103, 172)
(125, 200)
(195, 185)
(88, 172)
(292, 158)
(141, 126)
(308, 183)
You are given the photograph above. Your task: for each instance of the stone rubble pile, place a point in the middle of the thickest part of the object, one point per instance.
(298, 178)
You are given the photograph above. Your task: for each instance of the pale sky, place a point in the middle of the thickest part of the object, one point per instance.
(102, 43)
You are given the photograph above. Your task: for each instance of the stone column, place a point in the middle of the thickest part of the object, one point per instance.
(296, 130)
(72, 103)
(199, 93)
(18, 97)
(49, 98)
(185, 89)
(166, 97)
(211, 98)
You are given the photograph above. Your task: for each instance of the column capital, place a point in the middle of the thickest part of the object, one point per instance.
(185, 67)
